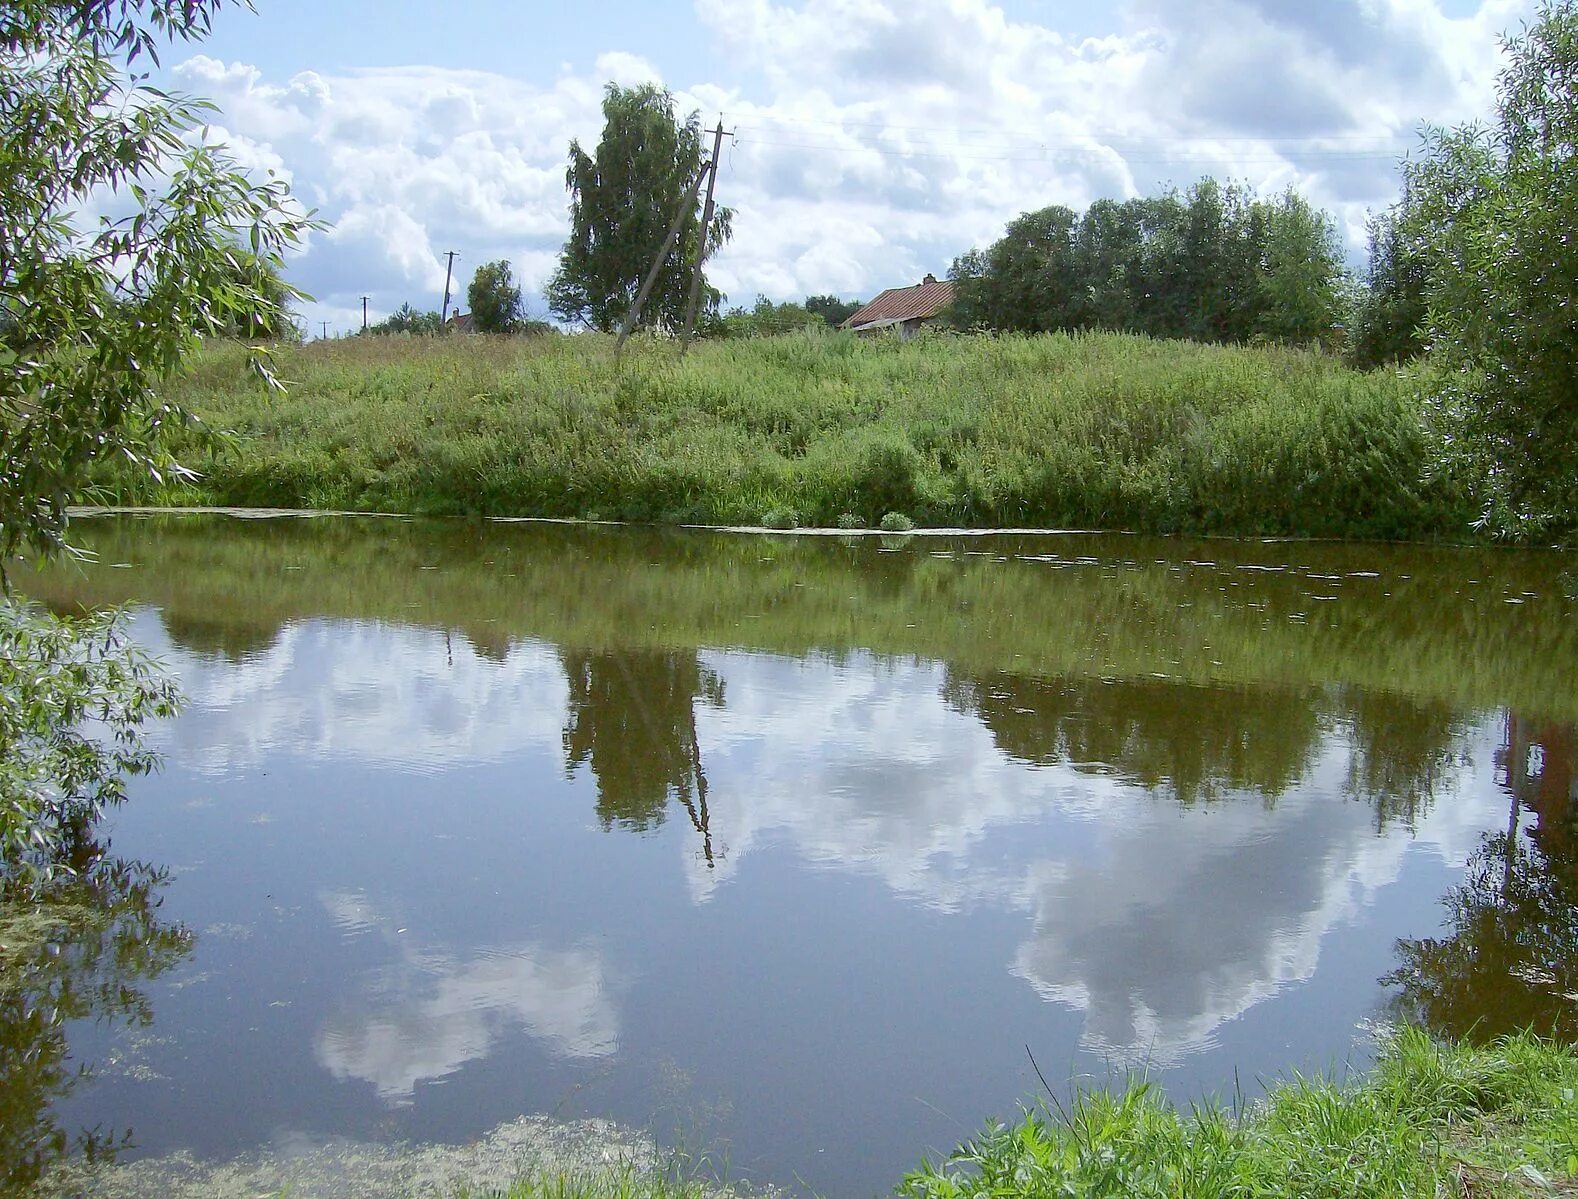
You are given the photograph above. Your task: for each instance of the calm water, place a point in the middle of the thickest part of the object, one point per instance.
(802, 847)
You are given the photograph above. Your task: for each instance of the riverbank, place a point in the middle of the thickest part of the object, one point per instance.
(1093, 431)
(1431, 1119)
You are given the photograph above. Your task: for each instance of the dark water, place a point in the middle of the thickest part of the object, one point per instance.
(799, 849)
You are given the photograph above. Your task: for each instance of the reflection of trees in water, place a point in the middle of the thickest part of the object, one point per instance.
(1510, 959)
(1195, 742)
(214, 636)
(1404, 752)
(632, 717)
(1198, 743)
(77, 956)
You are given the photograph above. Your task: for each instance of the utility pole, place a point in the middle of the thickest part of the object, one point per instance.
(449, 273)
(325, 326)
(364, 314)
(701, 241)
(687, 206)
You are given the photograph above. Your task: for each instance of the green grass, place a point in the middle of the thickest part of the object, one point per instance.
(1431, 1120)
(1092, 431)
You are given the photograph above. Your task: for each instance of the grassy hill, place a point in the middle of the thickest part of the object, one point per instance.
(1090, 431)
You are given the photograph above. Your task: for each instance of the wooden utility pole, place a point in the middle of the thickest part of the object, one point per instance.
(449, 273)
(325, 326)
(701, 241)
(364, 314)
(687, 206)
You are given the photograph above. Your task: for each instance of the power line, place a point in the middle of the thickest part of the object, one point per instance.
(1048, 153)
(1031, 133)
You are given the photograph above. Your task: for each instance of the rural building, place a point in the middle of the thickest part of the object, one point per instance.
(461, 322)
(903, 308)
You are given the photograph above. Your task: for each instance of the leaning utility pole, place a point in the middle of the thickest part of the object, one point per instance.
(701, 241)
(449, 273)
(687, 206)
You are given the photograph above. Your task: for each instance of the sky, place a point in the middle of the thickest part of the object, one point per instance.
(870, 141)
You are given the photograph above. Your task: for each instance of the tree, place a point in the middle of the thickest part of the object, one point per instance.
(1501, 204)
(623, 200)
(1215, 265)
(92, 319)
(406, 319)
(1026, 281)
(1302, 276)
(269, 319)
(832, 309)
(766, 319)
(1389, 318)
(495, 300)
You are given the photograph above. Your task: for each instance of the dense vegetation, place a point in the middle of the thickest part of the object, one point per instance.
(1473, 269)
(1107, 431)
(1217, 265)
(1433, 1120)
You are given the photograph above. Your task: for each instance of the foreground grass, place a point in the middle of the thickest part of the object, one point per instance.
(1091, 431)
(1431, 1120)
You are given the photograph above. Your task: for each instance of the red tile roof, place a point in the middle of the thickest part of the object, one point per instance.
(921, 302)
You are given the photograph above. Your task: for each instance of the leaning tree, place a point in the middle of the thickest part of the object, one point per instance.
(623, 200)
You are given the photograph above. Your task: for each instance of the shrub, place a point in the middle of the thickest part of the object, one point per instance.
(781, 518)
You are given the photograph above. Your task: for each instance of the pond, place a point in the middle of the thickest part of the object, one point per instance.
(811, 852)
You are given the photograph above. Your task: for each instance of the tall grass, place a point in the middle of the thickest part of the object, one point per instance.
(1432, 1120)
(1093, 431)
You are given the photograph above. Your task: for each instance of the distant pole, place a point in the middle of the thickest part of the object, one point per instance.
(325, 327)
(364, 314)
(701, 243)
(449, 273)
(687, 206)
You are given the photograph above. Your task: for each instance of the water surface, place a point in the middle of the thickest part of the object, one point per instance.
(801, 849)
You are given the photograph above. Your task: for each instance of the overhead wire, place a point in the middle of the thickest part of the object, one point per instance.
(1050, 153)
(1035, 146)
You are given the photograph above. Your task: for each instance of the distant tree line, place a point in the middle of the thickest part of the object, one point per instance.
(1218, 264)
(496, 307)
(767, 319)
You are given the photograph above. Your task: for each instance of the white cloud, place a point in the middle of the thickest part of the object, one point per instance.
(876, 141)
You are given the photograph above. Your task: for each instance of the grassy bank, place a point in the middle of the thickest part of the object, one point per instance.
(1431, 1120)
(1095, 431)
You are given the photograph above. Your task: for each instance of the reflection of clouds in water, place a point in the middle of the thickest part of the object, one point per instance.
(1185, 919)
(1160, 923)
(370, 692)
(432, 1012)
(862, 766)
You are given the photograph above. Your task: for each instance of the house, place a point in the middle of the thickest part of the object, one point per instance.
(903, 308)
(460, 322)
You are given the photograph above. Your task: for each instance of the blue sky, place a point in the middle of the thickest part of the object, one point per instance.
(876, 139)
